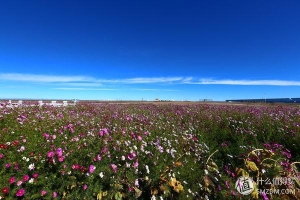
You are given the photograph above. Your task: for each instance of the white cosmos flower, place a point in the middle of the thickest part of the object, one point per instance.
(31, 166)
(153, 197)
(101, 174)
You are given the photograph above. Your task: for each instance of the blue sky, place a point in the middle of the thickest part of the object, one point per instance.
(129, 50)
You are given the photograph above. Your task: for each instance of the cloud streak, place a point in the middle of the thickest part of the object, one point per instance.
(43, 78)
(83, 89)
(81, 82)
(248, 82)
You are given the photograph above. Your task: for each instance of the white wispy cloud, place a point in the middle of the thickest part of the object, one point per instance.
(248, 82)
(85, 89)
(43, 78)
(154, 89)
(80, 82)
(85, 80)
(143, 80)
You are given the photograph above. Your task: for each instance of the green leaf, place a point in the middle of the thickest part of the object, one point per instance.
(118, 196)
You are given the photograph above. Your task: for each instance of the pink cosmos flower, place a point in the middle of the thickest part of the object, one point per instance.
(76, 166)
(25, 178)
(92, 168)
(136, 164)
(265, 197)
(35, 176)
(54, 194)
(61, 159)
(43, 193)
(59, 152)
(8, 165)
(105, 130)
(1, 155)
(104, 150)
(85, 187)
(101, 133)
(16, 166)
(114, 167)
(19, 183)
(131, 156)
(50, 154)
(22, 148)
(140, 138)
(46, 135)
(12, 180)
(20, 192)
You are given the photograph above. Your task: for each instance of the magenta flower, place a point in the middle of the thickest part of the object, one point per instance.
(99, 157)
(136, 164)
(265, 197)
(50, 154)
(131, 156)
(12, 180)
(1, 155)
(43, 192)
(16, 167)
(101, 133)
(25, 178)
(105, 131)
(85, 187)
(92, 169)
(8, 165)
(76, 166)
(219, 187)
(61, 159)
(20, 192)
(104, 150)
(59, 152)
(5, 190)
(54, 194)
(227, 184)
(35, 176)
(46, 135)
(114, 167)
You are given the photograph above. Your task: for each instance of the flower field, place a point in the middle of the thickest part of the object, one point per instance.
(147, 151)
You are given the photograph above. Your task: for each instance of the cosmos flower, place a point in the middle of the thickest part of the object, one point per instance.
(92, 168)
(12, 180)
(31, 167)
(20, 192)
(5, 190)
(43, 192)
(25, 178)
(114, 167)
